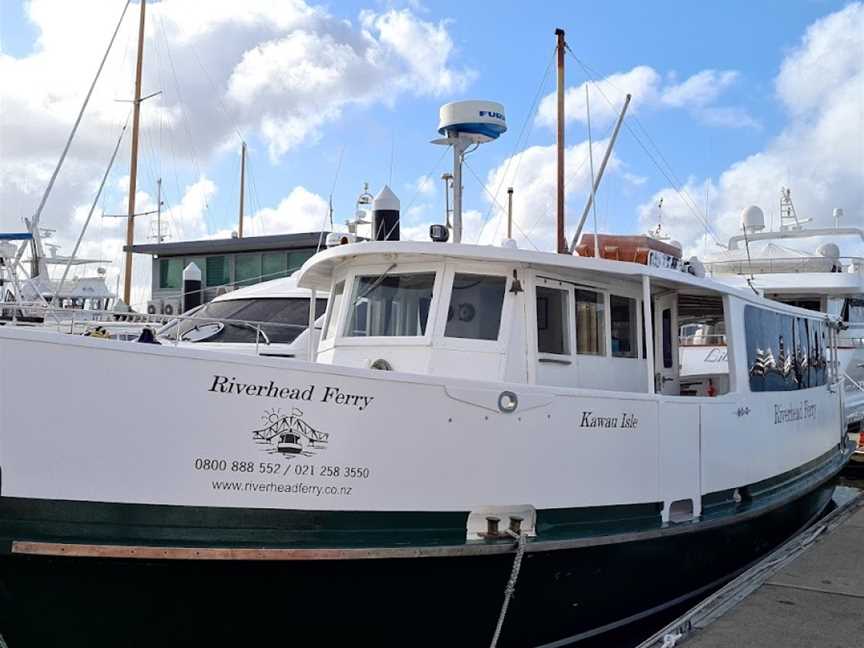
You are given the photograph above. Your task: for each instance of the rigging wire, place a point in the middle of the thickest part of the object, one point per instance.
(38, 214)
(218, 95)
(175, 223)
(667, 172)
(529, 119)
(336, 178)
(417, 190)
(185, 116)
(495, 200)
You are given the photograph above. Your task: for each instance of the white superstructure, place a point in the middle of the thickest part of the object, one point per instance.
(804, 267)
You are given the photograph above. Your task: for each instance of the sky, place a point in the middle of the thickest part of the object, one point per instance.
(731, 102)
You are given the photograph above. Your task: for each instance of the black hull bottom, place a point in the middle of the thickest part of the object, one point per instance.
(51, 601)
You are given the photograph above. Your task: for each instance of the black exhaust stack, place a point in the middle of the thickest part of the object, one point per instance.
(385, 216)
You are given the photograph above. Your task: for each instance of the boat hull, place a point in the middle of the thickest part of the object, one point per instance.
(446, 600)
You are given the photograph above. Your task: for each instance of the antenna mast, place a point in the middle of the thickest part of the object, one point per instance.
(562, 242)
(242, 186)
(133, 167)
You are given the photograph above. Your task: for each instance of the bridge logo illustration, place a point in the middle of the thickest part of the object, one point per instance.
(289, 435)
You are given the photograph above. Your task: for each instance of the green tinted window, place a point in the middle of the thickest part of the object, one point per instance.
(247, 269)
(217, 271)
(297, 258)
(170, 273)
(274, 266)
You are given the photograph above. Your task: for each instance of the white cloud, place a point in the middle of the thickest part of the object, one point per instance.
(728, 117)
(648, 91)
(819, 153)
(699, 90)
(425, 185)
(642, 82)
(300, 211)
(532, 174)
(282, 69)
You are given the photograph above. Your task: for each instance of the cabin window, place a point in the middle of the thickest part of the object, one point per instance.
(170, 273)
(784, 352)
(247, 269)
(217, 271)
(475, 307)
(297, 258)
(622, 313)
(273, 266)
(809, 304)
(590, 323)
(390, 305)
(667, 338)
(853, 310)
(333, 316)
(552, 331)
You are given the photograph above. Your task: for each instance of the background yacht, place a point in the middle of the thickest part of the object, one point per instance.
(800, 266)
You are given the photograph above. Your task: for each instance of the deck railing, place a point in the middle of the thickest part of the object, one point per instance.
(127, 326)
(847, 264)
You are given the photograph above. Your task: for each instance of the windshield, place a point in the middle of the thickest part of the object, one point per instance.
(281, 321)
(390, 305)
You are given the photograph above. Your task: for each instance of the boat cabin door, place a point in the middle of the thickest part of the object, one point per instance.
(666, 363)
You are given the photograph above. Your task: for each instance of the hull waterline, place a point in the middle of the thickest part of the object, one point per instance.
(561, 594)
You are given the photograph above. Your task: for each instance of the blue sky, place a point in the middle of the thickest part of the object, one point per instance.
(384, 115)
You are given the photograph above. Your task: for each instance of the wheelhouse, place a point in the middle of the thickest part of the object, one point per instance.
(557, 320)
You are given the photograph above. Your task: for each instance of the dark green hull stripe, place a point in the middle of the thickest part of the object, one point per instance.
(723, 502)
(68, 521)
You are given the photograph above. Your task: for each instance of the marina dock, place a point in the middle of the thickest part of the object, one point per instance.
(810, 592)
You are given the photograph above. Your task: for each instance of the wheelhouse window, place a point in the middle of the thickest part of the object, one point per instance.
(552, 330)
(390, 305)
(785, 353)
(475, 307)
(622, 314)
(590, 323)
(333, 316)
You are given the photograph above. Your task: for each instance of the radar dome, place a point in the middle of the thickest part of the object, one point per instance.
(752, 219)
(829, 251)
(481, 121)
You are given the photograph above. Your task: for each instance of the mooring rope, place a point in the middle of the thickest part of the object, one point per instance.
(521, 543)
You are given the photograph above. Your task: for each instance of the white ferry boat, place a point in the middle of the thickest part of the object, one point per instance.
(475, 421)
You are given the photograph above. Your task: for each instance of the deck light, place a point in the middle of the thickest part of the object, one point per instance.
(439, 233)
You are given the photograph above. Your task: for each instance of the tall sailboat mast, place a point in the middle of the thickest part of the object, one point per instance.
(559, 141)
(133, 166)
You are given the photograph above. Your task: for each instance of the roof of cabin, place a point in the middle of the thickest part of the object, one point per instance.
(232, 245)
(318, 270)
